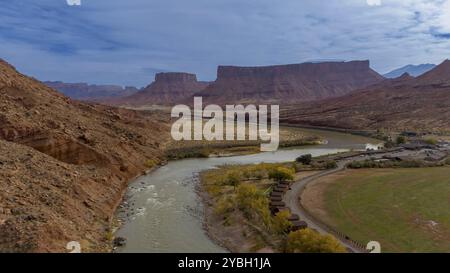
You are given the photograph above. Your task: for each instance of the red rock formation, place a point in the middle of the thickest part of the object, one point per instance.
(293, 83)
(406, 103)
(167, 89)
(440, 75)
(65, 164)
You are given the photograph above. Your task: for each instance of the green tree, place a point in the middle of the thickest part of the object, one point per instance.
(401, 140)
(330, 164)
(281, 174)
(310, 241)
(431, 141)
(304, 159)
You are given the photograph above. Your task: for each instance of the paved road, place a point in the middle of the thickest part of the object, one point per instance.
(291, 198)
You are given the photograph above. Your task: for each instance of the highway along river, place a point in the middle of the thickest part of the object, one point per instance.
(163, 213)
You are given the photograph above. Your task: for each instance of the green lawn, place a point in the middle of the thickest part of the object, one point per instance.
(406, 210)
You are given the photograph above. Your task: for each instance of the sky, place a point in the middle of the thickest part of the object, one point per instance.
(126, 42)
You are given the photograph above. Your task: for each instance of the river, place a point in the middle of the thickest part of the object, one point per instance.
(163, 213)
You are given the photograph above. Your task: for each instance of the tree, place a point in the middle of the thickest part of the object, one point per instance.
(401, 140)
(431, 141)
(330, 164)
(253, 203)
(281, 223)
(304, 159)
(310, 241)
(281, 174)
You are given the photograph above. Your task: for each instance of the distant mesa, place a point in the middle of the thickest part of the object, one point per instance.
(403, 104)
(169, 88)
(413, 70)
(87, 92)
(289, 83)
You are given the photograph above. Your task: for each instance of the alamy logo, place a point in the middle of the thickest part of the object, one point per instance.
(73, 2)
(234, 119)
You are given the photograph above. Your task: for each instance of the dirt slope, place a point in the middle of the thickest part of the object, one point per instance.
(64, 164)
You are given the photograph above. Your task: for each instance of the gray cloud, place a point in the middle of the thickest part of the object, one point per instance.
(126, 42)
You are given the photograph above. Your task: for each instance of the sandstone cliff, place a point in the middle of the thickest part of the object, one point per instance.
(288, 83)
(167, 89)
(406, 103)
(64, 164)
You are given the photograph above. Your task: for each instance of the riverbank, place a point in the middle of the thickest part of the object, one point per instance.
(167, 214)
(238, 217)
(289, 137)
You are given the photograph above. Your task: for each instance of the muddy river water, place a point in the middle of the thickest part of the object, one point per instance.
(163, 213)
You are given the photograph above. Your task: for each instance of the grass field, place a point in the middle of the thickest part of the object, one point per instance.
(406, 210)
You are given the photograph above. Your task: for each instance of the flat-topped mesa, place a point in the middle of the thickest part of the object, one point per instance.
(169, 88)
(289, 83)
(315, 69)
(175, 77)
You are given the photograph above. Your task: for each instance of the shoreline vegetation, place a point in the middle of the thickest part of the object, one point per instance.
(267, 238)
(237, 214)
(226, 221)
(289, 137)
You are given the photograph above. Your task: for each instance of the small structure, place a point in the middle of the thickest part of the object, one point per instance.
(298, 225)
(281, 190)
(276, 199)
(293, 218)
(275, 210)
(277, 204)
(273, 194)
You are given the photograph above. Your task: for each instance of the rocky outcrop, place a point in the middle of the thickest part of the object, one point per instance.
(289, 83)
(439, 76)
(167, 89)
(405, 104)
(64, 164)
(86, 92)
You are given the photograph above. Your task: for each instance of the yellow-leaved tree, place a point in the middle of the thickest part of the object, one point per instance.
(310, 241)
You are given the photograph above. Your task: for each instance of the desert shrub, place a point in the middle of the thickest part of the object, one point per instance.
(310, 241)
(304, 159)
(401, 140)
(233, 179)
(281, 174)
(431, 141)
(447, 161)
(150, 163)
(330, 164)
(389, 144)
(188, 152)
(225, 206)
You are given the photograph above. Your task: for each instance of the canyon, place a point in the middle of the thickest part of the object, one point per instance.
(65, 164)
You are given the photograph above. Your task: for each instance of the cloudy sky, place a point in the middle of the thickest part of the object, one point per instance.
(127, 41)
